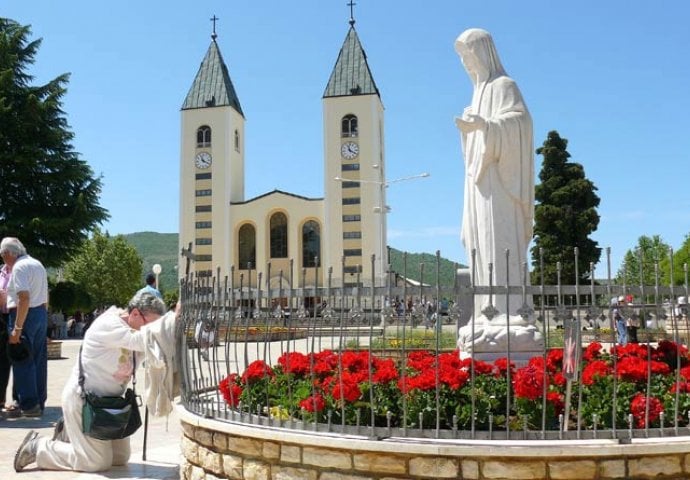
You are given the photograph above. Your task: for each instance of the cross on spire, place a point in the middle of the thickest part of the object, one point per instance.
(352, 4)
(214, 19)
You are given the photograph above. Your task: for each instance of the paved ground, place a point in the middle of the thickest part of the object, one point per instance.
(163, 451)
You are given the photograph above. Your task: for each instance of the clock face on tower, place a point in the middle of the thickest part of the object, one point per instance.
(349, 150)
(202, 160)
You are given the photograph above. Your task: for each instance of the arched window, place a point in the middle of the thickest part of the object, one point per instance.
(247, 246)
(203, 136)
(237, 141)
(279, 235)
(349, 126)
(311, 244)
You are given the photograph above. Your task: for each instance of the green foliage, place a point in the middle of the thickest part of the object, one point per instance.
(108, 268)
(160, 248)
(564, 216)
(681, 258)
(49, 195)
(408, 264)
(68, 297)
(638, 267)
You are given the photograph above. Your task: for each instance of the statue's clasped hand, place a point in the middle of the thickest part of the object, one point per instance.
(470, 122)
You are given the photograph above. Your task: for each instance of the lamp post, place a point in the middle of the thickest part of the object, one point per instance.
(382, 208)
(157, 269)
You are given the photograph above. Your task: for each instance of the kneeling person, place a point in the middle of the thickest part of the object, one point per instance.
(109, 350)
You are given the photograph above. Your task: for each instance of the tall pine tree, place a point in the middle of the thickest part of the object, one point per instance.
(565, 215)
(49, 197)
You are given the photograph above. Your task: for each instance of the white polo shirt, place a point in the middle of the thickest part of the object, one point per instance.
(28, 275)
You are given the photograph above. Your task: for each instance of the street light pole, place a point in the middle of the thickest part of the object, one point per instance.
(157, 269)
(382, 208)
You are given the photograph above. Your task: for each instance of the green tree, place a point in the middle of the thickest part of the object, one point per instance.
(640, 262)
(68, 297)
(681, 258)
(107, 268)
(49, 195)
(564, 216)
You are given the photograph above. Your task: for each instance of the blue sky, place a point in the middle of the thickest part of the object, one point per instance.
(611, 77)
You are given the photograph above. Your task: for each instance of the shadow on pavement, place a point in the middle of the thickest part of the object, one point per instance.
(50, 416)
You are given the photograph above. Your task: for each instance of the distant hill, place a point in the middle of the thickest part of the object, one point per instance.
(158, 248)
(414, 260)
(162, 248)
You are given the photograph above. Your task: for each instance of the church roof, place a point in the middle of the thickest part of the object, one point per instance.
(351, 74)
(277, 192)
(212, 86)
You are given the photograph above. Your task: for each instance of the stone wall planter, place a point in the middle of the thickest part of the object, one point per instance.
(213, 449)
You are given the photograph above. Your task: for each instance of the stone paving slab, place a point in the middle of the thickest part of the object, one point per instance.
(163, 442)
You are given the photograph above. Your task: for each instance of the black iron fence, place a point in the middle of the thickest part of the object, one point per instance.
(383, 361)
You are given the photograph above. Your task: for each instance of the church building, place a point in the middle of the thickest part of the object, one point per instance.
(265, 234)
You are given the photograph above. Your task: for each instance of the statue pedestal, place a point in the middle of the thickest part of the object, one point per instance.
(490, 339)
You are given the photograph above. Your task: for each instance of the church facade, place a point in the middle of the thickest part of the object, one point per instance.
(285, 238)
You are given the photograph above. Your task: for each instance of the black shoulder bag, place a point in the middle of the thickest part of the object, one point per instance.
(110, 418)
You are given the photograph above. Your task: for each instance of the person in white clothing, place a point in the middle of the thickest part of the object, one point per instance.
(109, 348)
(27, 296)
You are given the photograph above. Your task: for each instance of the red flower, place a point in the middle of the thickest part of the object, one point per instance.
(385, 371)
(425, 380)
(594, 370)
(501, 367)
(294, 362)
(556, 399)
(554, 360)
(314, 403)
(356, 364)
(528, 382)
(683, 387)
(558, 379)
(346, 388)
(451, 371)
(256, 370)
(659, 368)
(454, 378)
(592, 352)
(480, 368)
(420, 360)
(638, 407)
(537, 362)
(325, 362)
(230, 390)
(633, 369)
(668, 352)
(685, 372)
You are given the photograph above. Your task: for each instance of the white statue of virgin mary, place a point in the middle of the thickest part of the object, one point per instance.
(498, 211)
(496, 132)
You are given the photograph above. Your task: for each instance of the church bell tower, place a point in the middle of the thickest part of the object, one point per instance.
(354, 168)
(211, 163)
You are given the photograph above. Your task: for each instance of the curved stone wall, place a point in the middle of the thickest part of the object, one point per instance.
(214, 449)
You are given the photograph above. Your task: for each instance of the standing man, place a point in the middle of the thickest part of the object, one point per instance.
(27, 290)
(151, 286)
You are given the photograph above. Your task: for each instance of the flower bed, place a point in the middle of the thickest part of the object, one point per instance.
(263, 334)
(326, 383)
(249, 334)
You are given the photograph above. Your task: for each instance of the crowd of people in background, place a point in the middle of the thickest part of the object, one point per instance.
(74, 326)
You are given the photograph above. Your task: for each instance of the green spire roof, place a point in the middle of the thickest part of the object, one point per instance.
(351, 74)
(212, 86)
